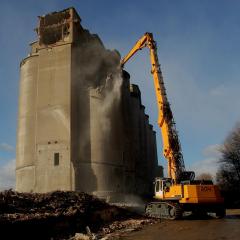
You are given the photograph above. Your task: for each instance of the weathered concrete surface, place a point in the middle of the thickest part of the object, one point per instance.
(192, 229)
(81, 124)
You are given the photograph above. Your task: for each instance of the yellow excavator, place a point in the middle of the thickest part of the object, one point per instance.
(179, 192)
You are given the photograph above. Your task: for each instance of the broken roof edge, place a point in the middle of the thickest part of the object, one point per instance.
(64, 10)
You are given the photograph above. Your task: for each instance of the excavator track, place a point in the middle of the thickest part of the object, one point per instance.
(165, 210)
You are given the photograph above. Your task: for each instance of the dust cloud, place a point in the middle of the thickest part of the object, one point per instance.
(111, 92)
(133, 203)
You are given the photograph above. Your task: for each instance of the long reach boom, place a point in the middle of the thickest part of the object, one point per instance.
(179, 192)
(171, 144)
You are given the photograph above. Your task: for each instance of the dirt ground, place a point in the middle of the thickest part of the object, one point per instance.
(204, 229)
(77, 216)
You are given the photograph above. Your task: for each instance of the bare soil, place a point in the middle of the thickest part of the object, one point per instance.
(189, 228)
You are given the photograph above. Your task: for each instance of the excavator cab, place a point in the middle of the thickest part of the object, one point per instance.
(162, 185)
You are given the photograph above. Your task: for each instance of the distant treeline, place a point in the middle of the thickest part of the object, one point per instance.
(228, 175)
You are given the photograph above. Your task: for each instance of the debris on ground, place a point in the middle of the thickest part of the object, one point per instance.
(63, 215)
(116, 229)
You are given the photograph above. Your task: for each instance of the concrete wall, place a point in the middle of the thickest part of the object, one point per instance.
(44, 126)
(26, 135)
(106, 146)
(81, 124)
(52, 120)
(135, 118)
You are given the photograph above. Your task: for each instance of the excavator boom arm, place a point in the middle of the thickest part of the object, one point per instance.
(141, 43)
(171, 145)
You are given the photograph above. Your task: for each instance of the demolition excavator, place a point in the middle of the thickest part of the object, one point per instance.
(179, 192)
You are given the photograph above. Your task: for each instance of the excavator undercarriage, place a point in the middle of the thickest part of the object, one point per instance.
(166, 210)
(174, 210)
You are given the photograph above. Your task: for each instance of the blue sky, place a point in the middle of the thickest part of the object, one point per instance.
(198, 50)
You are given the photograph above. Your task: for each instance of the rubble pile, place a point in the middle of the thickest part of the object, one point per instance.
(16, 206)
(58, 215)
(117, 229)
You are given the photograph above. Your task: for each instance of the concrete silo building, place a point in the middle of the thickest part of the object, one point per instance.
(81, 124)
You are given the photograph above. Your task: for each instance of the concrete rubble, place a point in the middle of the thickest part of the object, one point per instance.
(64, 215)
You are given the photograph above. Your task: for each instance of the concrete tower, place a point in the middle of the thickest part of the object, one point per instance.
(81, 126)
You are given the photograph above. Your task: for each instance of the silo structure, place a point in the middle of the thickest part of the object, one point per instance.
(81, 125)
(141, 166)
(135, 118)
(148, 153)
(135, 103)
(151, 163)
(80, 140)
(53, 165)
(26, 141)
(106, 143)
(128, 159)
(155, 156)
